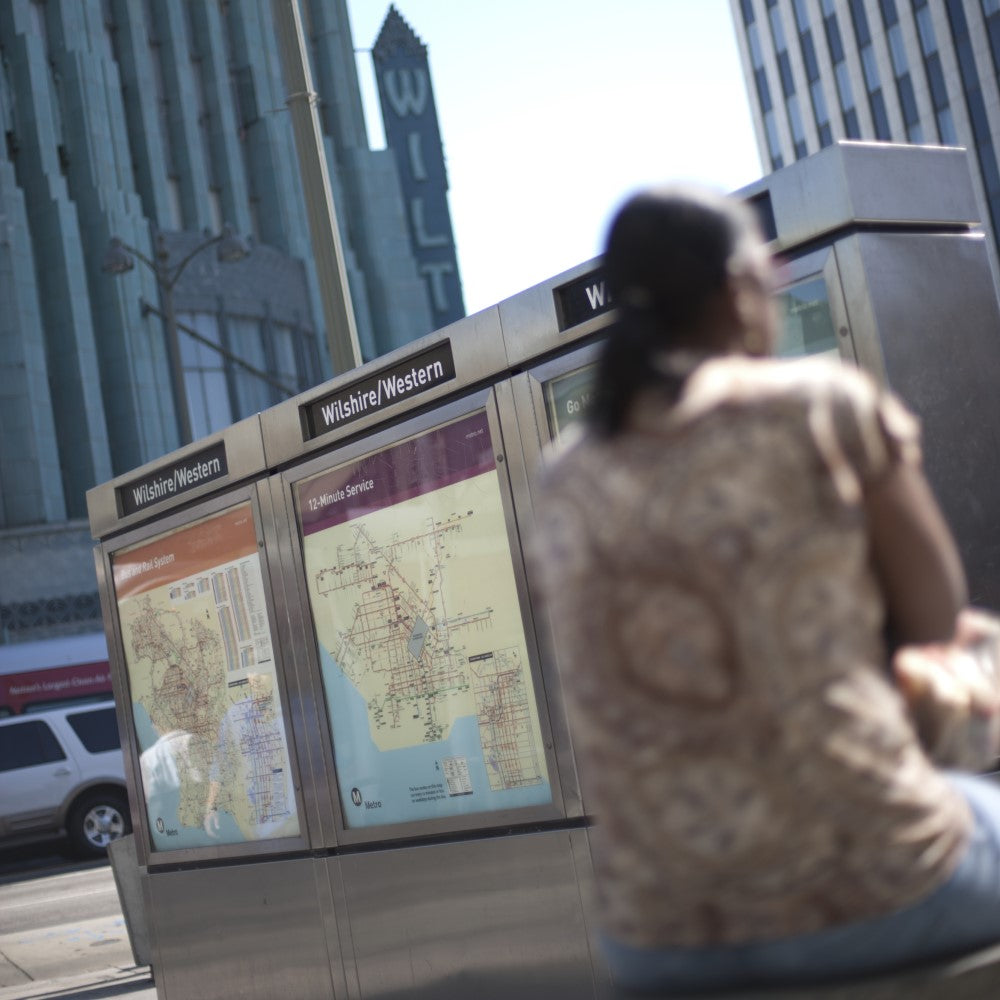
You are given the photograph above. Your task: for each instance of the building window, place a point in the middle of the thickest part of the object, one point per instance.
(876, 102)
(787, 82)
(251, 393)
(991, 14)
(209, 405)
(976, 106)
(811, 64)
(901, 71)
(845, 93)
(935, 75)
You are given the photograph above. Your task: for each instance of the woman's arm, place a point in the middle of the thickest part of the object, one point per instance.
(915, 556)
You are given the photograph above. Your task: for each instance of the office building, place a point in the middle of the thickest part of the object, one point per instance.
(158, 123)
(909, 71)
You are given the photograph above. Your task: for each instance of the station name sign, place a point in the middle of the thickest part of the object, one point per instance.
(174, 479)
(404, 379)
(582, 299)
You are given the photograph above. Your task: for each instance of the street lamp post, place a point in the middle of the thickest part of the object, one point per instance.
(120, 257)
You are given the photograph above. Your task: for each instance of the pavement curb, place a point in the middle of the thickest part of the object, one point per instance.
(134, 981)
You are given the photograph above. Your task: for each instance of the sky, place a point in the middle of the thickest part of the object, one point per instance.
(553, 111)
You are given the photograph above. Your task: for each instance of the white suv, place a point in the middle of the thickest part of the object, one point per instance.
(62, 772)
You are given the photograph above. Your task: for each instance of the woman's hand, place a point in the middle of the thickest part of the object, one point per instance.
(953, 692)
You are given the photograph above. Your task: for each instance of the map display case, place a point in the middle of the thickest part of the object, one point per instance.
(418, 613)
(199, 655)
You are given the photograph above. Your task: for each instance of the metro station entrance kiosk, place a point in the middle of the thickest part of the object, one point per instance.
(349, 770)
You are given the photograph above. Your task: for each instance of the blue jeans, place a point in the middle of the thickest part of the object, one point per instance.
(962, 915)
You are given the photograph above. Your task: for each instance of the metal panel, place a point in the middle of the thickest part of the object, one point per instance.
(295, 638)
(518, 423)
(478, 351)
(244, 454)
(929, 303)
(318, 740)
(531, 321)
(486, 919)
(255, 931)
(123, 698)
(867, 182)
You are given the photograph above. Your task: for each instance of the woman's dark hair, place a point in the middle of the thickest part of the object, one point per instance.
(668, 253)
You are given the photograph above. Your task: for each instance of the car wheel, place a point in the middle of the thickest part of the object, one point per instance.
(95, 821)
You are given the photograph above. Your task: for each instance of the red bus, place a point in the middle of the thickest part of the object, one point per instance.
(51, 673)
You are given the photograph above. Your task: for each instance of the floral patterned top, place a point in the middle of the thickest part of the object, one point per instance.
(751, 768)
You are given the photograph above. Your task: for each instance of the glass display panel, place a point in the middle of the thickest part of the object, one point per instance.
(199, 654)
(418, 626)
(567, 398)
(806, 322)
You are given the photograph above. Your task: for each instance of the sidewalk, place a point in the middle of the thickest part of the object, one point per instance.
(132, 982)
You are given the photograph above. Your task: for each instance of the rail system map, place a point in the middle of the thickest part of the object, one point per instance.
(424, 659)
(198, 649)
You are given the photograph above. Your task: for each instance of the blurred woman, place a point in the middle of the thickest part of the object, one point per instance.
(721, 552)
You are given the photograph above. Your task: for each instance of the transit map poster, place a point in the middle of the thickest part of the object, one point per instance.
(199, 654)
(419, 630)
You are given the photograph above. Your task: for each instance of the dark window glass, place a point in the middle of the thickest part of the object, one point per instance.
(825, 135)
(809, 56)
(889, 14)
(747, 8)
(991, 175)
(785, 72)
(993, 30)
(800, 150)
(844, 86)
(833, 41)
(97, 730)
(819, 103)
(870, 68)
(777, 28)
(851, 128)
(860, 20)
(879, 117)
(897, 50)
(946, 127)
(795, 119)
(28, 744)
(777, 162)
(956, 14)
(928, 40)
(935, 77)
(763, 90)
(907, 99)
(756, 55)
(995, 212)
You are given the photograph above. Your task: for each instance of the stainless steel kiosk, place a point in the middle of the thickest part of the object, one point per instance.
(350, 773)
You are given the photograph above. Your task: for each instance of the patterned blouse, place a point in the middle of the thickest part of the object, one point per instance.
(751, 768)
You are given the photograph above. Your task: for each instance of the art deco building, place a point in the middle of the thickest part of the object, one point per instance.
(910, 71)
(158, 123)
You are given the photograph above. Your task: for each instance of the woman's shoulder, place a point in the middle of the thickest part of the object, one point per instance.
(738, 379)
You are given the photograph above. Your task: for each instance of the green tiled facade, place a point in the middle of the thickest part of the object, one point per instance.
(157, 121)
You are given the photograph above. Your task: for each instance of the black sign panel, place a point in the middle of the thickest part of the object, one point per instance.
(407, 378)
(582, 299)
(174, 479)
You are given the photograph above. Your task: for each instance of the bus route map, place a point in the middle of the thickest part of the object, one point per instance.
(198, 649)
(423, 652)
